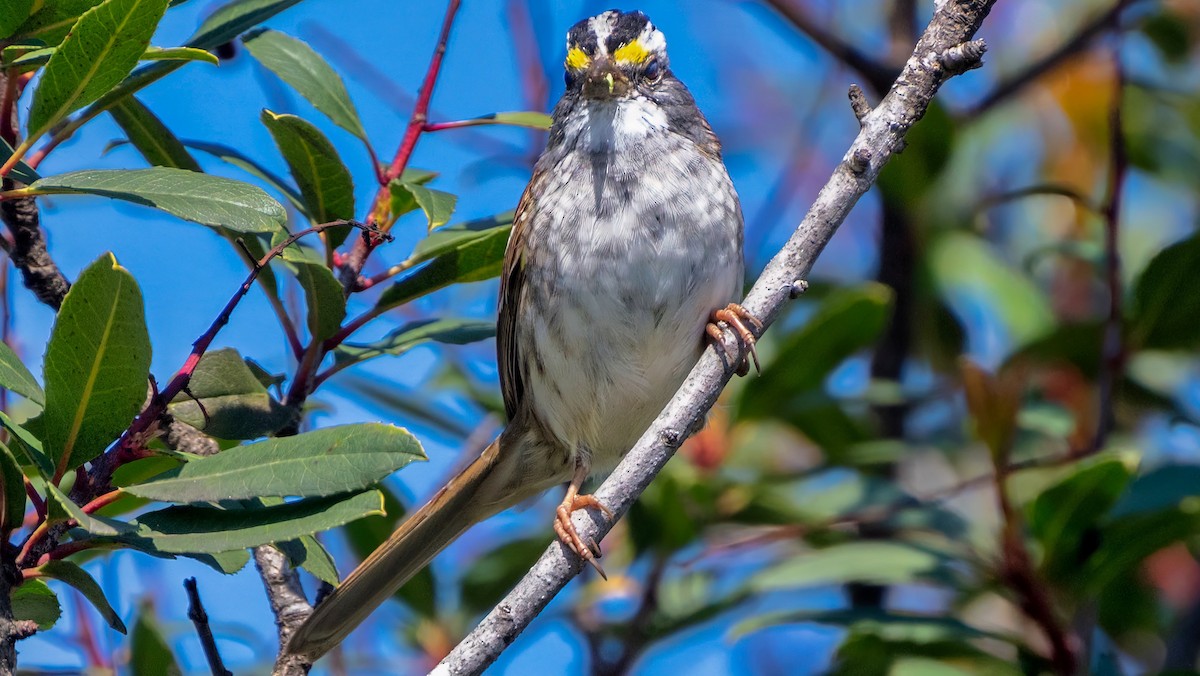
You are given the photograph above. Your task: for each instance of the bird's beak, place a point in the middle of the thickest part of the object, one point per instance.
(604, 81)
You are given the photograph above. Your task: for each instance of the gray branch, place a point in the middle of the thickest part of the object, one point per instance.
(288, 603)
(944, 49)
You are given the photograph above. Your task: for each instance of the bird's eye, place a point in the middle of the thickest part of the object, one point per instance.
(653, 70)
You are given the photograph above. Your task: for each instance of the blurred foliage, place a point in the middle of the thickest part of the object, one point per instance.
(1036, 509)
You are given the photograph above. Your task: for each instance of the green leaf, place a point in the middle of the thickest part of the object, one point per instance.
(28, 60)
(1065, 517)
(143, 469)
(889, 625)
(59, 508)
(969, 274)
(1166, 300)
(15, 377)
(25, 58)
(21, 172)
(305, 552)
(467, 252)
(1169, 33)
(33, 600)
(324, 181)
(879, 562)
(14, 13)
(403, 339)
(318, 463)
(29, 445)
(1126, 542)
(233, 18)
(209, 200)
(240, 160)
(68, 572)
(530, 119)
(298, 65)
(454, 238)
(13, 515)
(149, 652)
(54, 20)
(437, 205)
(401, 199)
(102, 48)
(420, 177)
(180, 54)
(1078, 344)
(96, 365)
(197, 529)
(226, 400)
(324, 297)
(846, 322)
(226, 563)
(365, 536)
(150, 136)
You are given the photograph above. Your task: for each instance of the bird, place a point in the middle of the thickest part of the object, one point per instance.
(625, 258)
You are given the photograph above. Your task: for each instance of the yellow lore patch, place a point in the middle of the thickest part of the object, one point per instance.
(634, 52)
(576, 59)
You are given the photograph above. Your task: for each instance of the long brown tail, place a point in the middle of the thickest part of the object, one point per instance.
(423, 534)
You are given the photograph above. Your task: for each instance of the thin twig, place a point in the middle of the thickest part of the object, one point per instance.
(877, 75)
(85, 635)
(1082, 37)
(199, 618)
(1113, 350)
(132, 439)
(1018, 574)
(953, 24)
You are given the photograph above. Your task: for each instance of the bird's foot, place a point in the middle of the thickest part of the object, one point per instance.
(736, 317)
(565, 528)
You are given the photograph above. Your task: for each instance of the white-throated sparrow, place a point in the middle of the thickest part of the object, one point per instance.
(626, 245)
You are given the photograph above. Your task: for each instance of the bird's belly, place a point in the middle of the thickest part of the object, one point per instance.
(625, 325)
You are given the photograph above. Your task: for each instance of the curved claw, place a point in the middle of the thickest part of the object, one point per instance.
(565, 528)
(736, 317)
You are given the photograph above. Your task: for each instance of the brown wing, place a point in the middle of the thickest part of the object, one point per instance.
(512, 295)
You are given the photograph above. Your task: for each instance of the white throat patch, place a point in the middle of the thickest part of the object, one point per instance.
(615, 125)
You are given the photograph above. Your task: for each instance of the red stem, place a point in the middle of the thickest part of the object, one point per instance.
(421, 112)
(380, 207)
(87, 637)
(39, 505)
(102, 501)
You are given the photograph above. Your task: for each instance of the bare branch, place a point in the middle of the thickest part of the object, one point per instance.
(28, 249)
(199, 618)
(858, 103)
(288, 603)
(881, 136)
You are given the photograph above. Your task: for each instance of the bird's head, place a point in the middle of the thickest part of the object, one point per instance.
(614, 55)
